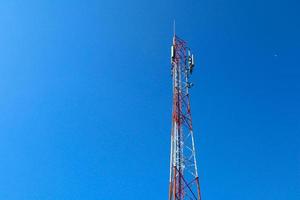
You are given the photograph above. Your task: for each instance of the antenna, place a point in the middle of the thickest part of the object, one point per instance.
(174, 26)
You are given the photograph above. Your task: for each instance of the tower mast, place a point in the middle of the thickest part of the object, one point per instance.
(184, 181)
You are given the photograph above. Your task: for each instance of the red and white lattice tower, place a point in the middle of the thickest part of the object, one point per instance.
(184, 180)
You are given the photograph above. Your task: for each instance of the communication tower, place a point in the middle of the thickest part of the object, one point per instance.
(184, 181)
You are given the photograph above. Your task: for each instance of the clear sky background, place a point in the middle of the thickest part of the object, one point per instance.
(85, 98)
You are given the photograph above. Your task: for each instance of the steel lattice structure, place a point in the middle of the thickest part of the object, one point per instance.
(184, 180)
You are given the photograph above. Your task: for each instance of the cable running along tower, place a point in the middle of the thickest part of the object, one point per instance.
(184, 181)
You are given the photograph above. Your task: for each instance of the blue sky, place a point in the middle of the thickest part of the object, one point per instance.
(85, 101)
